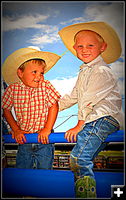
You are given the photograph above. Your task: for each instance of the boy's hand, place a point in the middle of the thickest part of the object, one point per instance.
(43, 136)
(71, 134)
(19, 136)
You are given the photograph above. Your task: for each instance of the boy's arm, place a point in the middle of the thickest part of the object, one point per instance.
(52, 115)
(69, 100)
(10, 119)
(18, 134)
(71, 134)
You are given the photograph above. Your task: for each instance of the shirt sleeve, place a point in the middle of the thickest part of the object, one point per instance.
(68, 100)
(7, 98)
(100, 84)
(53, 94)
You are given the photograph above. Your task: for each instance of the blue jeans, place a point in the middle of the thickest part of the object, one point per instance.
(35, 156)
(90, 141)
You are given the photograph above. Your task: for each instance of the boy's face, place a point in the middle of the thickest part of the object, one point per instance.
(32, 74)
(88, 46)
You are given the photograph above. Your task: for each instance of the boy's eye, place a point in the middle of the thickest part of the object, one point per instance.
(80, 46)
(34, 72)
(90, 45)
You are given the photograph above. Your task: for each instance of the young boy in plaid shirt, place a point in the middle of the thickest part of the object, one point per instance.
(35, 103)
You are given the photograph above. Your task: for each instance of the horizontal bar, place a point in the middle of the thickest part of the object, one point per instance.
(117, 136)
(38, 183)
(53, 183)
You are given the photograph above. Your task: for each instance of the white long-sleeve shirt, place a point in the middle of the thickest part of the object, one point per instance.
(96, 93)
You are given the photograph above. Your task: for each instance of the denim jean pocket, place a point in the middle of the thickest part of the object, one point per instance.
(107, 126)
(112, 121)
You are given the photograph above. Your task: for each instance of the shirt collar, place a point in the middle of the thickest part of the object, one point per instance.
(26, 87)
(92, 63)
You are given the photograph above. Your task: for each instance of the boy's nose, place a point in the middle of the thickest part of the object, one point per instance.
(84, 49)
(38, 76)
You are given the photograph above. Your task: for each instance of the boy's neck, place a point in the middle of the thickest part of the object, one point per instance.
(93, 62)
(98, 58)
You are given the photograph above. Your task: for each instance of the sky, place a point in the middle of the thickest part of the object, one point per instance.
(36, 24)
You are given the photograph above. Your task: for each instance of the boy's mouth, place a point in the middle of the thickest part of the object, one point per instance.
(36, 81)
(86, 55)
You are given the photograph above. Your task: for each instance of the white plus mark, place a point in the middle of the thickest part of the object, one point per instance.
(118, 192)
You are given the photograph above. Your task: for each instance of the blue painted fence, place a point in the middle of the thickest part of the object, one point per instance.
(54, 183)
(117, 136)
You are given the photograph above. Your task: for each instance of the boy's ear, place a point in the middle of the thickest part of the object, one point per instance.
(104, 46)
(19, 73)
(74, 46)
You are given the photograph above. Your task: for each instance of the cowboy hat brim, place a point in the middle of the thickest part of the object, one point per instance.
(113, 50)
(18, 57)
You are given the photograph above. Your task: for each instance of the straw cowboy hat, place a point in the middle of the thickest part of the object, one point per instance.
(113, 50)
(18, 57)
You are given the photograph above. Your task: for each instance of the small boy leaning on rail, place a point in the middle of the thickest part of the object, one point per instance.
(35, 103)
(96, 92)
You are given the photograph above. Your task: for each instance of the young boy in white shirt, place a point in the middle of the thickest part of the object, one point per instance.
(97, 95)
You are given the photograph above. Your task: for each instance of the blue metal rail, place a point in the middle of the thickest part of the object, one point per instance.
(117, 136)
(55, 183)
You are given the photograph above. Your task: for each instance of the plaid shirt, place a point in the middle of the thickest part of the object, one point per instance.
(30, 104)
